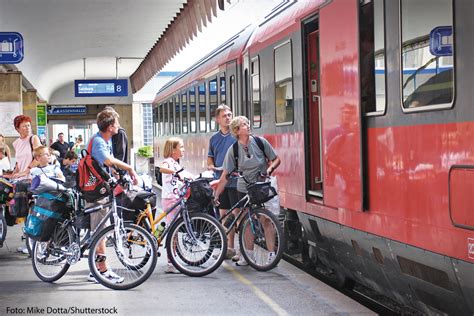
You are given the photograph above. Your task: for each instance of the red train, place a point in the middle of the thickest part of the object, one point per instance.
(369, 104)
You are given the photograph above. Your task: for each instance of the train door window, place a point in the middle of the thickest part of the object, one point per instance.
(283, 84)
(372, 56)
(192, 110)
(213, 103)
(177, 119)
(166, 115)
(171, 114)
(427, 54)
(155, 121)
(256, 105)
(202, 108)
(232, 92)
(222, 87)
(184, 112)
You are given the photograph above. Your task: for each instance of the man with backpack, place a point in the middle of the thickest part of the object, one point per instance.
(100, 150)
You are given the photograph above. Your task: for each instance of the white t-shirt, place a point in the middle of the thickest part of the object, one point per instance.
(171, 185)
(51, 171)
(4, 165)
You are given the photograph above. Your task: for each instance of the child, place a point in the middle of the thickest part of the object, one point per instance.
(4, 162)
(42, 155)
(173, 151)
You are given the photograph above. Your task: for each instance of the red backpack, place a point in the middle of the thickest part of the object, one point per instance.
(92, 180)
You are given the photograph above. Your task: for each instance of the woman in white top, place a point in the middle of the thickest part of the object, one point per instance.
(24, 146)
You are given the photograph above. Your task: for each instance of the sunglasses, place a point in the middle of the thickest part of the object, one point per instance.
(246, 149)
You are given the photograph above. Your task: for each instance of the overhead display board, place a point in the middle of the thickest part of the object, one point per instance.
(101, 88)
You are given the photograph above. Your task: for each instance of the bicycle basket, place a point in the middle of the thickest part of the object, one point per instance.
(261, 192)
(201, 195)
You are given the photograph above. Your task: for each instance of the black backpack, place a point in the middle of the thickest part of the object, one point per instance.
(235, 148)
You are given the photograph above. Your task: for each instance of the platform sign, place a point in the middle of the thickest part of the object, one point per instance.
(11, 48)
(41, 114)
(101, 88)
(441, 41)
(67, 110)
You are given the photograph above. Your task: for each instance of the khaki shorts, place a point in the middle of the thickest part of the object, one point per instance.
(96, 217)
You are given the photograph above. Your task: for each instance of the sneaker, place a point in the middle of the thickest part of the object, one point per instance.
(112, 276)
(22, 249)
(171, 269)
(91, 278)
(236, 257)
(242, 262)
(230, 253)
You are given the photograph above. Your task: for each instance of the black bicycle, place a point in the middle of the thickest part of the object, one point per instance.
(261, 237)
(129, 249)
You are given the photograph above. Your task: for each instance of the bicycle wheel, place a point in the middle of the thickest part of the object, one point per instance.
(49, 258)
(261, 239)
(200, 254)
(132, 256)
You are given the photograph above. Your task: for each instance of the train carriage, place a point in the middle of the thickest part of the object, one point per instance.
(369, 105)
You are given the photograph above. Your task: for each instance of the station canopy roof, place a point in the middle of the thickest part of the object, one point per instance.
(65, 40)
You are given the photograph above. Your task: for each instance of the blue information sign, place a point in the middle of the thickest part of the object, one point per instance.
(11, 48)
(66, 110)
(441, 41)
(101, 88)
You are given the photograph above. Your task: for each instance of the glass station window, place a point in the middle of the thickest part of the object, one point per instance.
(192, 109)
(257, 108)
(222, 87)
(184, 112)
(283, 85)
(427, 53)
(372, 55)
(202, 107)
(213, 103)
(177, 119)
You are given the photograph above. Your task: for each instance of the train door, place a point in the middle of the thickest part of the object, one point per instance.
(231, 81)
(313, 108)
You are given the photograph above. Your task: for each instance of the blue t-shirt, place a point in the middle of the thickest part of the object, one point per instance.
(218, 146)
(101, 150)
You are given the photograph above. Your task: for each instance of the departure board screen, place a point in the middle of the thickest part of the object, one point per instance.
(101, 88)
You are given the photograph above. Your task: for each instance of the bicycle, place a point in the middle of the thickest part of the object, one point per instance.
(129, 249)
(261, 237)
(195, 242)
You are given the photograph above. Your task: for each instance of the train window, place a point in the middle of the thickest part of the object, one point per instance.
(166, 118)
(372, 56)
(232, 91)
(213, 103)
(177, 120)
(161, 109)
(202, 108)
(427, 54)
(222, 87)
(257, 108)
(171, 114)
(155, 121)
(192, 109)
(283, 84)
(184, 112)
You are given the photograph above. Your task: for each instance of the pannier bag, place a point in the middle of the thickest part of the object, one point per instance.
(135, 200)
(49, 208)
(21, 199)
(261, 192)
(201, 195)
(6, 191)
(91, 179)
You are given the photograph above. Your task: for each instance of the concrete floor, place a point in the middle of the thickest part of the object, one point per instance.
(230, 290)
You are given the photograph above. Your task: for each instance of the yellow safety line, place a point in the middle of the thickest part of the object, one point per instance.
(264, 297)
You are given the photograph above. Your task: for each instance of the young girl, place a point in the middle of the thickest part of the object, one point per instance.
(173, 151)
